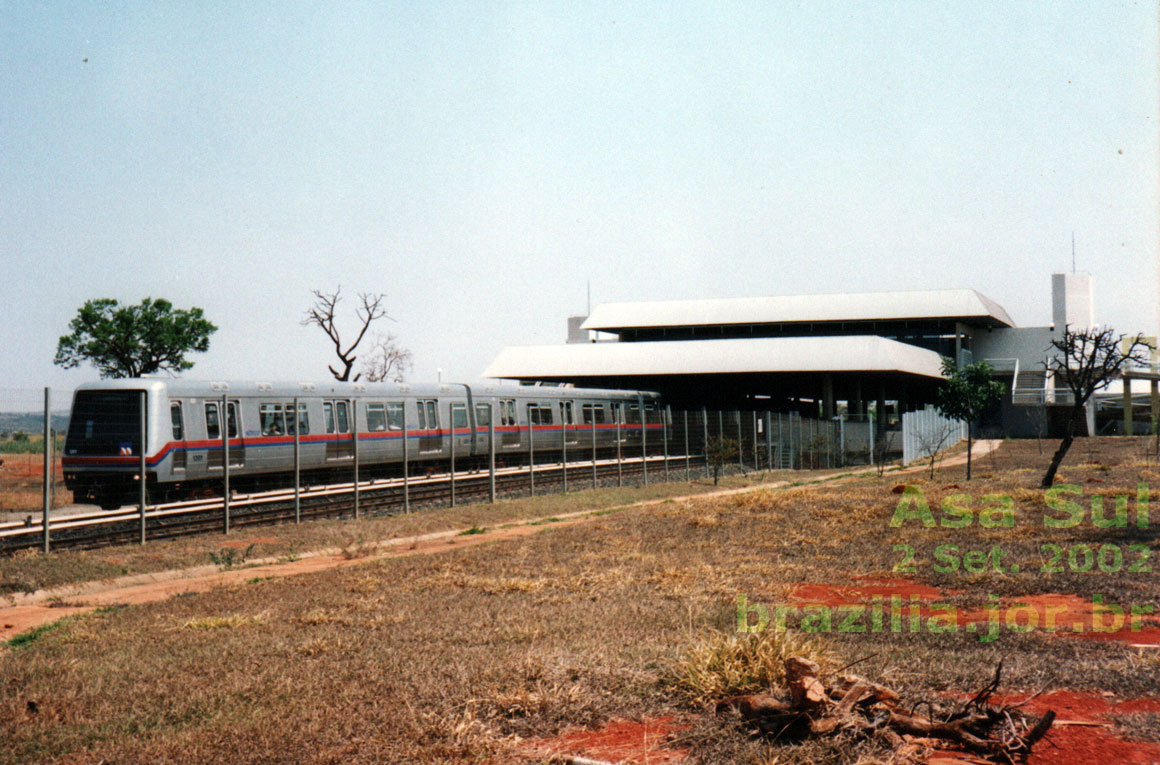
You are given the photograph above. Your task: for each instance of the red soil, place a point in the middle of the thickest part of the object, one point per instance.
(620, 741)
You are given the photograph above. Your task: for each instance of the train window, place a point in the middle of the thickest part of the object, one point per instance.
(328, 414)
(458, 416)
(341, 413)
(566, 413)
(395, 416)
(272, 419)
(232, 419)
(592, 413)
(617, 412)
(507, 412)
(376, 418)
(432, 415)
(421, 423)
(213, 428)
(176, 419)
(633, 413)
(482, 415)
(539, 414)
(303, 420)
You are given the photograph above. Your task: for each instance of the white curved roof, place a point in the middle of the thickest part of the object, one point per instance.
(847, 353)
(852, 306)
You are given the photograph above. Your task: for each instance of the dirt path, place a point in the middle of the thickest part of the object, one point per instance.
(28, 611)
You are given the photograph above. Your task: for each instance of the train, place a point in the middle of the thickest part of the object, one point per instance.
(189, 426)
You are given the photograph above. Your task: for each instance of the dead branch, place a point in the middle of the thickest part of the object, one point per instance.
(1002, 734)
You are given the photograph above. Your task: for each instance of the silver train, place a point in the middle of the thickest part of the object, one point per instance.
(184, 437)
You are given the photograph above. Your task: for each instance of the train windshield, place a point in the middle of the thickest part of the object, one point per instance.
(105, 423)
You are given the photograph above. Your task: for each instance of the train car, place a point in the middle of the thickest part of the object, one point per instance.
(189, 426)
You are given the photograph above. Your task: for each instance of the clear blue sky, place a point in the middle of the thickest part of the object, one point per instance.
(482, 162)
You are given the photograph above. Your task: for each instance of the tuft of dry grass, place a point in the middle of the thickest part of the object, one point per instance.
(220, 622)
(728, 663)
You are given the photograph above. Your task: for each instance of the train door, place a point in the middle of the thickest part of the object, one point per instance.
(177, 445)
(567, 420)
(431, 438)
(510, 439)
(213, 432)
(482, 428)
(337, 415)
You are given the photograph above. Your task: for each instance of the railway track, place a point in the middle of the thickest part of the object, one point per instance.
(374, 498)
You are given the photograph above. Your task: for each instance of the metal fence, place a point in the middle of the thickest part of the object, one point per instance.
(926, 431)
(672, 446)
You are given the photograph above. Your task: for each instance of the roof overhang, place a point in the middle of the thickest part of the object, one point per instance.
(963, 305)
(861, 353)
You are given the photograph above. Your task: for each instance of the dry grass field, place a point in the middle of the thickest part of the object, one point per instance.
(502, 652)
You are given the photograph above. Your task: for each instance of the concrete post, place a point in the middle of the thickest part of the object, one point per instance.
(49, 467)
(828, 395)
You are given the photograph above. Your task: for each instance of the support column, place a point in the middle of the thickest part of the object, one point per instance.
(1127, 405)
(828, 396)
(1155, 404)
(880, 413)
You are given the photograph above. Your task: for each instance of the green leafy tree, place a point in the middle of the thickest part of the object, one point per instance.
(135, 340)
(966, 394)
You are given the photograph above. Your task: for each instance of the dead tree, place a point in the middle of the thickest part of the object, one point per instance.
(387, 361)
(322, 314)
(1087, 360)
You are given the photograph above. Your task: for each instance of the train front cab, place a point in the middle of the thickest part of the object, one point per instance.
(102, 450)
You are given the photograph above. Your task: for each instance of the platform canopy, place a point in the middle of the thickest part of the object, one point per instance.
(963, 305)
(834, 354)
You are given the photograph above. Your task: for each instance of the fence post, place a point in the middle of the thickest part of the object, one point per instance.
(49, 466)
(643, 441)
(297, 464)
(531, 455)
(768, 439)
(619, 465)
(225, 426)
(685, 414)
(593, 410)
(354, 449)
(144, 432)
(491, 453)
(705, 438)
(740, 442)
(406, 467)
(666, 413)
(756, 453)
(564, 444)
(451, 410)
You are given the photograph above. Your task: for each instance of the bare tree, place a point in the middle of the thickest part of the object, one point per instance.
(322, 314)
(386, 361)
(1087, 361)
(932, 442)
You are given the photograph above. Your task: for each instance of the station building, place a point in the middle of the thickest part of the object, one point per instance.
(857, 355)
